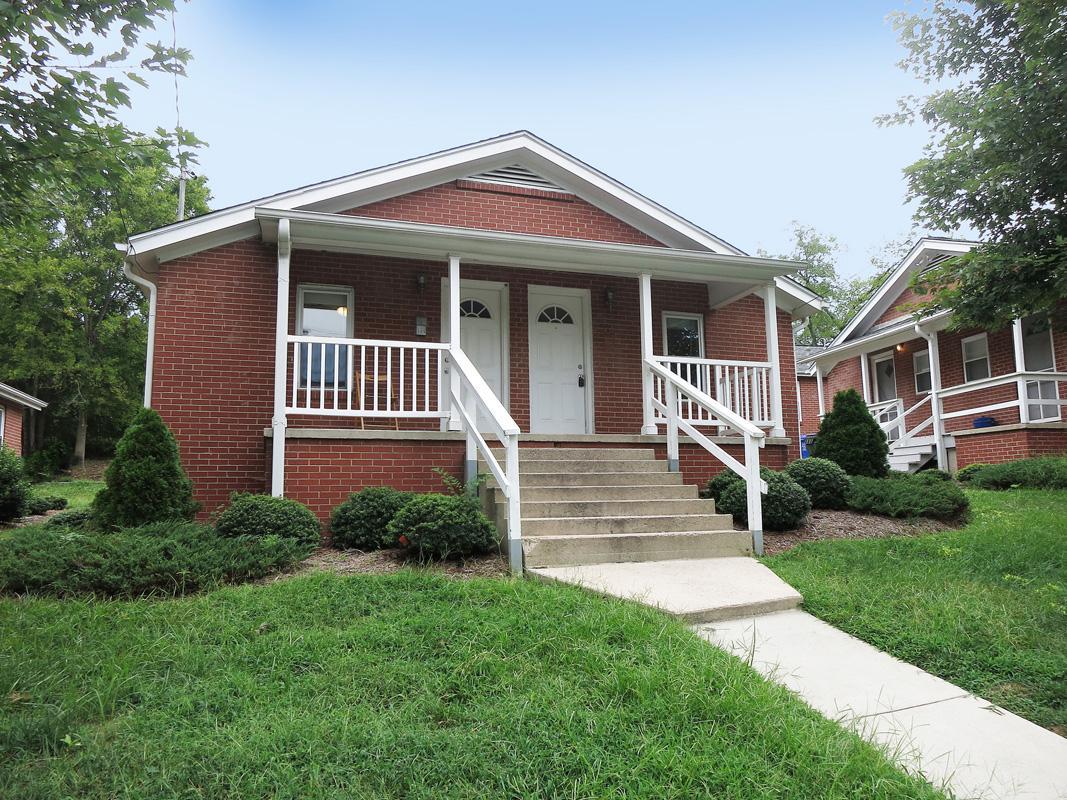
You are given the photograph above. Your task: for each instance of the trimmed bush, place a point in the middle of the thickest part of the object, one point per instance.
(75, 519)
(907, 496)
(444, 526)
(259, 515)
(784, 506)
(851, 438)
(719, 484)
(1046, 472)
(145, 481)
(967, 473)
(361, 522)
(165, 558)
(824, 481)
(42, 504)
(14, 488)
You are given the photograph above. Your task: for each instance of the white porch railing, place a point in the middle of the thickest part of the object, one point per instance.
(743, 387)
(678, 393)
(1037, 396)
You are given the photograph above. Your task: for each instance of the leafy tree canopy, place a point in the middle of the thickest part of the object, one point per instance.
(996, 161)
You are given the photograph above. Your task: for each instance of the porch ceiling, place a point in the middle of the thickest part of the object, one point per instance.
(344, 233)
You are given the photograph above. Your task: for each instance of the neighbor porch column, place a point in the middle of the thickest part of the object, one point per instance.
(648, 417)
(770, 324)
(865, 377)
(453, 337)
(1020, 366)
(935, 396)
(818, 388)
(281, 332)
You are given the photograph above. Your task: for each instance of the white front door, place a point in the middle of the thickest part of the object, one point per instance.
(560, 372)
(482, 333)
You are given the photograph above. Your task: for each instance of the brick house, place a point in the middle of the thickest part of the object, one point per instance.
(13, 407)
(443, 311)
(954, 397)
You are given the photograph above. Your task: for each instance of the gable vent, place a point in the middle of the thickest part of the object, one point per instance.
(516, 175)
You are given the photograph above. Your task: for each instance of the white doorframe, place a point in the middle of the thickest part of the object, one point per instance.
(505, 327)
(587, 344)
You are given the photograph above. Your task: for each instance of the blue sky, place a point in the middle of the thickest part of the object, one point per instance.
(740, 116)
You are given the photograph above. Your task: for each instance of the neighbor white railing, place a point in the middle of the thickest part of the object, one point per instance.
(678, 393)
(743, 387)
(888, 415)
(365, 377)
(1028, 399)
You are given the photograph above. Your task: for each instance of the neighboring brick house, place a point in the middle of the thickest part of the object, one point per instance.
(305, 343)
(955, 397)
(807, 389)
(13, 406)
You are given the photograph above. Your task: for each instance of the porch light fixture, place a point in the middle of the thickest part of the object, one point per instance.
(900, 348)
(609, 298)
(420, 281)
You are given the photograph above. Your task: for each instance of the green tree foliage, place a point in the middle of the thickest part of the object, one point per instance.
(145, 480)
(850, 437)
(996, 161)
(14, 488)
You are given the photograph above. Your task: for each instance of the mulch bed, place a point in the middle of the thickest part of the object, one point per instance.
(380, 562)
(824, 525)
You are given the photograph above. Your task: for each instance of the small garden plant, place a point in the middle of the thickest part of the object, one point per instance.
(850, 437)
(362, 521)
(825, 482)
(260, 515)
(444, 526)
(784, 506)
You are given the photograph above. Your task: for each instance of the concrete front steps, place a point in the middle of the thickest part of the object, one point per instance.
(608, 505)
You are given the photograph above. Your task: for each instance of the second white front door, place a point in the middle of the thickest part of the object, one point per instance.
(560, 372)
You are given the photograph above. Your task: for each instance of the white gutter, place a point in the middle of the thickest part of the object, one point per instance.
(150, 290)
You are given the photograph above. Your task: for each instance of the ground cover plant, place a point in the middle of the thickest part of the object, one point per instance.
(984, 606)
(906, 496)
(1047, 472)
(403, 686)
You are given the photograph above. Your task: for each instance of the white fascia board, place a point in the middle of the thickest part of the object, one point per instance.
(892, 335)
(880, 301)
(13, 395)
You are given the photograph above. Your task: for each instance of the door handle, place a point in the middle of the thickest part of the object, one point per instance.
(581, 380)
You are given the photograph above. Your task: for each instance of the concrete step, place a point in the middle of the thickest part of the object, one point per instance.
(565, 551)
(580, 454)
(660, 523)
(609, 508)
(544, 494)
(592, 465)
(561, 479)
(911, 449)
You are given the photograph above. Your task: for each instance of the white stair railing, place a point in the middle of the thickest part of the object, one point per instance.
(472, 396)
(679, 393)
(744, 387)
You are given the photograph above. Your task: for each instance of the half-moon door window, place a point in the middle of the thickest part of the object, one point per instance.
(557, 315)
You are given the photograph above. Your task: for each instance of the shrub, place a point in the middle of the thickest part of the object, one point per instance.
(257, 515)
(165, 558)
(75, 519)
(444, 526)
(46, 461)
(361, 522)
(719, 484)
(967, 473)
(784, 506)
(145, 480)
(41, 504)
(851, 438)
(1046, 472)
(907, 496)
(929, 475)
(14, 488)
(824, 481)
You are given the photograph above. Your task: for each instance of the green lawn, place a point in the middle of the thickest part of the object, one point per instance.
(984, 607)
(79, 493)
(410, 685)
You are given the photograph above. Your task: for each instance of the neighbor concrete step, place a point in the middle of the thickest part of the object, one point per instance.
(591, 465)
(578, 526)
(609, 508)
(542, 494)
(580, 453)
(561, 479)
(565, 551)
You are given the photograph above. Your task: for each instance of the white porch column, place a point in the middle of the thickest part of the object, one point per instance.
(865, 376)
(935, 396)
(281, 332)
(1020, 366)
(818, 387)
(648, 425)
(453, 336)
(770, 322)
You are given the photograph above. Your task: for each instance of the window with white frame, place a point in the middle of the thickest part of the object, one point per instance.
(921, 365)
(683, 334)
(324, 311)
(976, 358)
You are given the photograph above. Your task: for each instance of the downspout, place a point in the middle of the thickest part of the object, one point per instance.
(151, 291)
(935, 392)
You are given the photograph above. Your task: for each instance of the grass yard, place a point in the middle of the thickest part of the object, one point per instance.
(79, 493)
(408, 685)
(984, 606)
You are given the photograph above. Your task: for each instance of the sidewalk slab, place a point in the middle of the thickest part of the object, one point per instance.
(695, 590)
(958, 741)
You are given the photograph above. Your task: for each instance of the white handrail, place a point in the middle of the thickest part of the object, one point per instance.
(679, 390)
(505, 429)
(745, 387)
(1001, 380)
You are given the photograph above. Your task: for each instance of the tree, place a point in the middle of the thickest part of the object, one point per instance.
(818, 252)
(79, 323)
(996, 160)
(850, 437)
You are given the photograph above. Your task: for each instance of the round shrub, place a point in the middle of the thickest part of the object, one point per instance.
(75, 519)
(145, 480)
(968, 473)
(261, 515)
(41, 504)
(361, 522)
(444, 526)
(784, 506)
(718, 484)
(851, 438)
(824, 481)
(14, 488)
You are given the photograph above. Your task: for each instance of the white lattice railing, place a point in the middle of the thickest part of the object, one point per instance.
(365, 377)
(744, 387)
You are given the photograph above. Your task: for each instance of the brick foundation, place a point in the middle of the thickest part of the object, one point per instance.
(992, 446)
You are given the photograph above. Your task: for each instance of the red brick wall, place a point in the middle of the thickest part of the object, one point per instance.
(809, 404)
(845, 375)
(500, 208)
(13, 427)
(993, 447)
(900, 309)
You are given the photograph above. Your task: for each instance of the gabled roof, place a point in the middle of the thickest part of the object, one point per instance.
(802, 354)
(11, 394)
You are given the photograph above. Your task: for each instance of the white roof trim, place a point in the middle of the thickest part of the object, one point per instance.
(882, 300)
(900, 331)
(11, 394)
